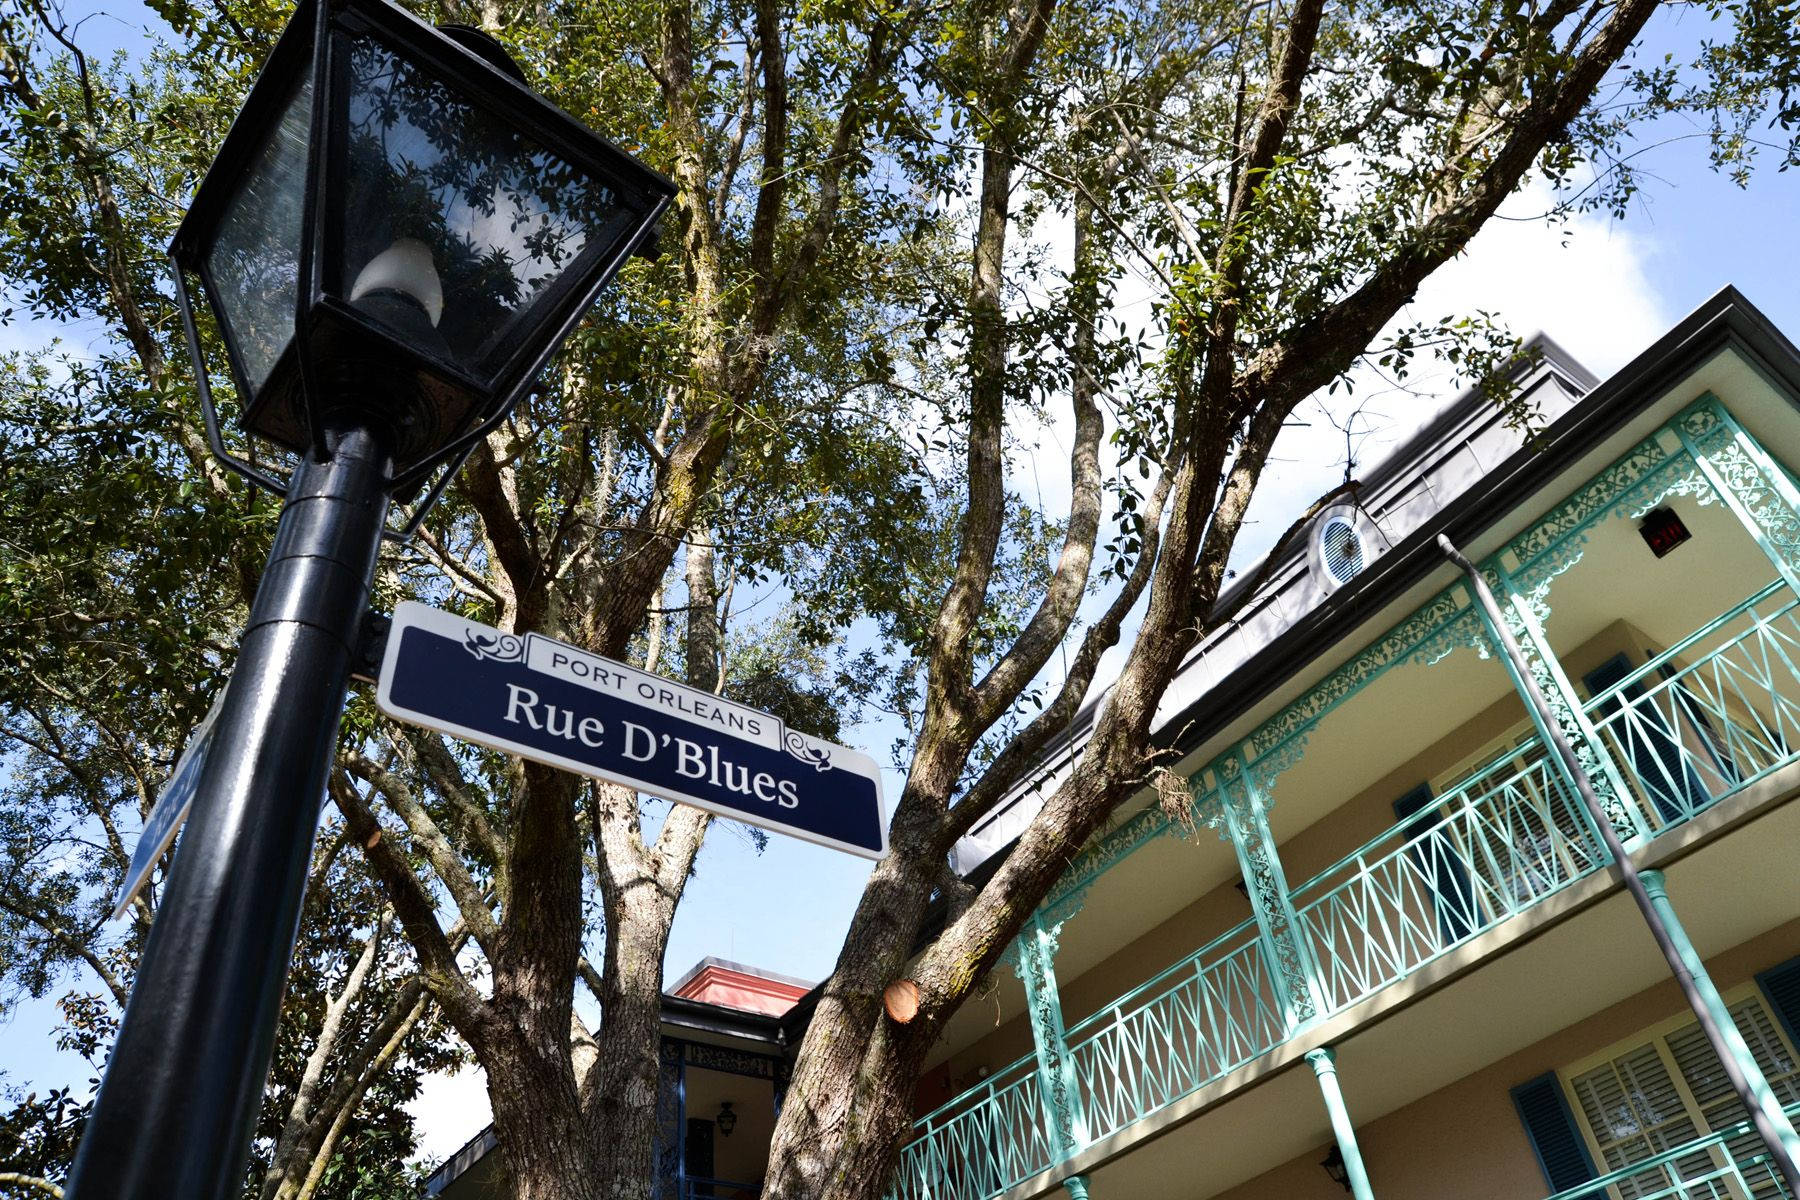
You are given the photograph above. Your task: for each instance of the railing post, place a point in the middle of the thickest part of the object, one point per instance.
(1751, 484)
(1064, 1113)
(1293, 972)
(1324, 1065)
(1565, 704)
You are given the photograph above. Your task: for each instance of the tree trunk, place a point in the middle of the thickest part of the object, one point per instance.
(640, 888)
(850, 1101)
(621, 1089)
(538, 1121)
(524, 1041)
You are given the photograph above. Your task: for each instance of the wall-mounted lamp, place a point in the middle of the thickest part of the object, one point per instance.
(726, 1120)
(1334, 1167)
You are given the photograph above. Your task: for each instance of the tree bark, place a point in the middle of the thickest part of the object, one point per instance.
(538, 1121)
(640, 889)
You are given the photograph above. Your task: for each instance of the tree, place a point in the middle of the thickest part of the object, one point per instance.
(1288, 176)
(864, 248)
(676, 408)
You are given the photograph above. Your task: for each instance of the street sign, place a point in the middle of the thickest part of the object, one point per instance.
(549, 701)
(169, 811)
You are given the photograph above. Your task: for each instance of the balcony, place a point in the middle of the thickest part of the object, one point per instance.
(1703, 720)
(1730, 1164)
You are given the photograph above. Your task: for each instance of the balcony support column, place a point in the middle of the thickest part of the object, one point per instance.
(1749, 482)
(1565, 704)
(1293, 971)
(1064, 1115)
(1766, 1108)
(1684, 963)
(1324, 1065)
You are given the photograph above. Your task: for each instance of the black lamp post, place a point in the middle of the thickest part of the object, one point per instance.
(395, 236)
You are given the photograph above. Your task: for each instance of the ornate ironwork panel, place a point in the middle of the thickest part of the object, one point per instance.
(1753, 484)
(1551, 682)
(1245, 824)
(724, 1058)
(1034, 960)
(671, 1120)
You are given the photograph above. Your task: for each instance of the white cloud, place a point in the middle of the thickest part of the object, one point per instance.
(1582, 282)
(448, 1111)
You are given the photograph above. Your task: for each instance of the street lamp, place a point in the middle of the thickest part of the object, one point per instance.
(397, 232)
(395, 236)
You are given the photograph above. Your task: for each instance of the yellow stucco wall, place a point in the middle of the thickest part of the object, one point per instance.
(1465, 1140)
(1351, 824)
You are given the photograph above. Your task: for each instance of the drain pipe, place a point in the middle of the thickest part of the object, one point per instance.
(1684, 961)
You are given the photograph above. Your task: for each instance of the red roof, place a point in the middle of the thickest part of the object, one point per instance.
(733, 985)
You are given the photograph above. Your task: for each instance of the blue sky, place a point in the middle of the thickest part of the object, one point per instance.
(1603, 288)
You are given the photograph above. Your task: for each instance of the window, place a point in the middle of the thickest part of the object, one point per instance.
(1634, 1110)
(1671, 1089)
(1341, 549)
(1520, 834)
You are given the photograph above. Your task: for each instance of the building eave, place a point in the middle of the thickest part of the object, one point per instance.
(1725, 321)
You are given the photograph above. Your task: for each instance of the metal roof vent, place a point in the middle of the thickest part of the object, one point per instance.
(1343, 543)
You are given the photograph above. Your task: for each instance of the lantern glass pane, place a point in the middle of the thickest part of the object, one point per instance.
(454, 223)
(253, 263)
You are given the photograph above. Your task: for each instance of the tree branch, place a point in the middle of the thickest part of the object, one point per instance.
(1056, 610)
(462, 1004)
(445, 859)
(1315, 352)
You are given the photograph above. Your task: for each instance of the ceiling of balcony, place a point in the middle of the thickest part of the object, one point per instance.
(1597, 958)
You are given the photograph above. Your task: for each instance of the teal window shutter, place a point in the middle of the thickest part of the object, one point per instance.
(1782, 986)
(1654, 749)
(1436, 859)
(1561, 1153)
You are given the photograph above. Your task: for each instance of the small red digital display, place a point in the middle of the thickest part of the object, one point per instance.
(1663, 531)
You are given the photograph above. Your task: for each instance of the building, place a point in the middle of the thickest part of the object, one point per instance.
(1386, 892)
(726, 1031)
(1385, 931)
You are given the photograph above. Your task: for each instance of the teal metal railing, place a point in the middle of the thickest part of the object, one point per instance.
(1200, 1019)
(1686, 736)
(980, 1143)
(1730, 1164)
(1494, 845)
(1705, 718)
(1194, 1022)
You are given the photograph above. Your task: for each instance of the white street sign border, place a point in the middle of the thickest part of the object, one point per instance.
(409, 614)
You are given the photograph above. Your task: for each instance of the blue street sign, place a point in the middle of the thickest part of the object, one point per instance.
(553, 703)
(169, 811)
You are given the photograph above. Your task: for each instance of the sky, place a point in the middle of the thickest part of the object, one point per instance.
(1603, 289)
